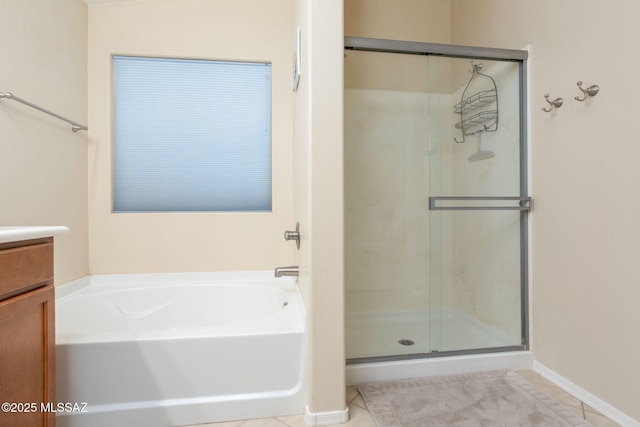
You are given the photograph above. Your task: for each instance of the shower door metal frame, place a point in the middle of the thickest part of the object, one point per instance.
(525, 201)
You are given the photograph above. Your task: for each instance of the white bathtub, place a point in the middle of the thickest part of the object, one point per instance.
(176, 349)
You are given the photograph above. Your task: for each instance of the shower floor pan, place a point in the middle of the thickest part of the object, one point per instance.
(415, 332)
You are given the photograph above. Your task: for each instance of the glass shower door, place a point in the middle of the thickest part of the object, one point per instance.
(477, 205)
(435, 200)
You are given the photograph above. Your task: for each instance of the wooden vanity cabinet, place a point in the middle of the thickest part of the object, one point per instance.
(27, 333)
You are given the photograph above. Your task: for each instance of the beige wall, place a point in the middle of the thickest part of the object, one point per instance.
(246, 30)
(318, 198)
(584, 181)
(43, 164)
(415, 20)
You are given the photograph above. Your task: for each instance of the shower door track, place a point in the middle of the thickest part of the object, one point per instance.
(524, 200)
(432, 355)
(436, 49)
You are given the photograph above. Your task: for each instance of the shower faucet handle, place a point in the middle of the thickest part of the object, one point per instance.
(293, 235)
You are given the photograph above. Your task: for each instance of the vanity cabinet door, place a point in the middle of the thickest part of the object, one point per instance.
(27, 364)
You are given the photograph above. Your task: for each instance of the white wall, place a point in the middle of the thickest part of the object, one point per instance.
(245, 30)
(586, 284)
(319, 199)
(43, 164)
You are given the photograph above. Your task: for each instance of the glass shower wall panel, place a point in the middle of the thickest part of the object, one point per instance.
(476, 159)
(386, 204)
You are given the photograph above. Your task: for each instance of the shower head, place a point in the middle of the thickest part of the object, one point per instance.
(479, 155)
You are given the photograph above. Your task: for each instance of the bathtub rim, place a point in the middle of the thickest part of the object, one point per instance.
(122, 282)
(147, 279)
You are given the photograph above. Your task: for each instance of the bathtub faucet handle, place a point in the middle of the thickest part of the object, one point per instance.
(293, 235)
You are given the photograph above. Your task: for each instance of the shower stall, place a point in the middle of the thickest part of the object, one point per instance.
(436, 200)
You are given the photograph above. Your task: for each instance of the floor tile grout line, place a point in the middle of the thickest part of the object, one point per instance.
(364, 406)
(351, 402)
(283, 422)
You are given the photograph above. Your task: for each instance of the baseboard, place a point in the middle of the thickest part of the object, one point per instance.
(325, 418)
(598, 404)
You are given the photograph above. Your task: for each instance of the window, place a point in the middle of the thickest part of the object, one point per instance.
(191, 135)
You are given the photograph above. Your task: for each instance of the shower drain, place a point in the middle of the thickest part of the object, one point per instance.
(405, 341)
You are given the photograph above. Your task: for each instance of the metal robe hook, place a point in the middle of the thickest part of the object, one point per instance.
(556, 103)
(588, 92)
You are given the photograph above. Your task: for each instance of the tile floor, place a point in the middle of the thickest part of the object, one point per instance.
(360, 417)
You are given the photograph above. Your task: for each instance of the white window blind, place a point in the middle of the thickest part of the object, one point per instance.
(191, 135)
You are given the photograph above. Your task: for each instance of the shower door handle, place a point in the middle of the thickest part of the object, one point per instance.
(524, 203)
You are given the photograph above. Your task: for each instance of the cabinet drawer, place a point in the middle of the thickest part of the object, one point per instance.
(25, 267)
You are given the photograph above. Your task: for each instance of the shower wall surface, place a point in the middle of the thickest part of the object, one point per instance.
(386, 182)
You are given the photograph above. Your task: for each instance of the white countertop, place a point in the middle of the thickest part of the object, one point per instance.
(17, 233)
